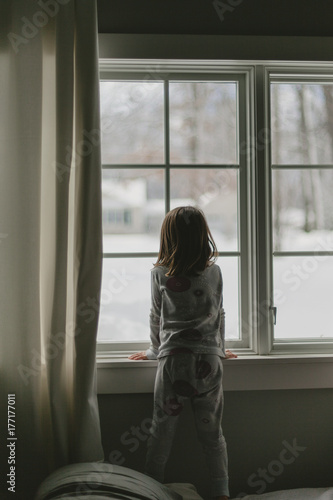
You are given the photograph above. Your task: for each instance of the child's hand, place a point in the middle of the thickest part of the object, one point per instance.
(230, 355)
(138, 355)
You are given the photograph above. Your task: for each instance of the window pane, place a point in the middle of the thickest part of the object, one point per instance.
(132, 122)
(203, 122)
(133, 209)
(302, 123)
(302, 209)
(230, 275)
(125, 300)
(303, 294)
(215, 191)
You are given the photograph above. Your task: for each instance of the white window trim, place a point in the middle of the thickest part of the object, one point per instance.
(262, 366)
(285, 71)
(244, 75)
(247, 373)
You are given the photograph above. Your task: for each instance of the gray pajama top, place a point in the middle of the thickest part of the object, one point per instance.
(186, 313)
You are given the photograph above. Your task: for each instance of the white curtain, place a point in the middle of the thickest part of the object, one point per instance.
(50, 235)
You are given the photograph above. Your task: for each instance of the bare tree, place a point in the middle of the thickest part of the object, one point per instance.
(277, 193)
(310, 180)
(327, 177)
(328, 96)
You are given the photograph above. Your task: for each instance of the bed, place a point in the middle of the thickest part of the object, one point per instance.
(104, 481)
(99, 481)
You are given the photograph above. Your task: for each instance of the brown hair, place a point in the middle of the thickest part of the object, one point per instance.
(187, 246)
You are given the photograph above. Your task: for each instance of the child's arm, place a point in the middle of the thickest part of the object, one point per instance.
(154, 321)
(222, 327)
(154, 317)
(228, 354)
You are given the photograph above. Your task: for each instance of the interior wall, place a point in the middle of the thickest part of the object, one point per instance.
(227, 17)
(213, 47)
(276, 439)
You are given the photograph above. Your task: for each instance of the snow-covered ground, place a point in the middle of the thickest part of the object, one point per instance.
(303, 288)
(300, 127)
(125, 297)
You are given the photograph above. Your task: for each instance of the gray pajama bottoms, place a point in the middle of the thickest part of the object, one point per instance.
(199, 378)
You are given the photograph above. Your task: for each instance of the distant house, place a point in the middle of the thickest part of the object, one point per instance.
(123, 206)
(127, 210)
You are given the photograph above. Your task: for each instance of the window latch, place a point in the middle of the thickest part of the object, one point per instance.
(274, 310)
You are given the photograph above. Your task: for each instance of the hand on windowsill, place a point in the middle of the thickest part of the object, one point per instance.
(230, 355)
(138, 355)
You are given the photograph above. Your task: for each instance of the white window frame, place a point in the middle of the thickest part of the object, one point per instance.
(202, 71)
(315, 72)
(256, 192)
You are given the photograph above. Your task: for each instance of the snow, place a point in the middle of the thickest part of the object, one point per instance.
(296, 240)
(303, 293)
(124, 194)
(125, 296)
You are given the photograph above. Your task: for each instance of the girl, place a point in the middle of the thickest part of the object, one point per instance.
(187, 338)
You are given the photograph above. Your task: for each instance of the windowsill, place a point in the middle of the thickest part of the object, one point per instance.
(118, 375)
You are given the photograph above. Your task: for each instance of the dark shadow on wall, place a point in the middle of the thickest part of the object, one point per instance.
(276, 439)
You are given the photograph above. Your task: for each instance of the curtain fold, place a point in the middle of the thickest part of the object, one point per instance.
(50, 234)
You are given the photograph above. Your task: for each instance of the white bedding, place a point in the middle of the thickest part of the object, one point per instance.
(297, 494)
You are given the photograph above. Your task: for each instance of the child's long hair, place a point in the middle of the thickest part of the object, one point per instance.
(187, 246)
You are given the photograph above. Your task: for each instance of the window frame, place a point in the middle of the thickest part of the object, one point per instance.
(201, 71)
(266, 74)
(257, 192)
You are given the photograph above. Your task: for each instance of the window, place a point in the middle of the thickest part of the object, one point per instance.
(251, 145)
(302, 203)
